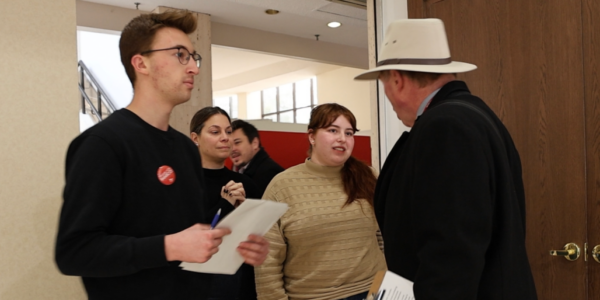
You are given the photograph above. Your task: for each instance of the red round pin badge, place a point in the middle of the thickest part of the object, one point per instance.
(166, 175)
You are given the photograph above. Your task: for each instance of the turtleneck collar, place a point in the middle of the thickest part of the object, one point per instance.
(323, 171)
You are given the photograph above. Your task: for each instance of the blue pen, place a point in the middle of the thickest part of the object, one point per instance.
(215, 219)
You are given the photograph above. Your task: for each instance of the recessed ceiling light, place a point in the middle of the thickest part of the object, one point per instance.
(334, 24)
(271, 11)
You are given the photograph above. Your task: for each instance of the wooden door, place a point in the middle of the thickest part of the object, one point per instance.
(531, 71)
(591, 67)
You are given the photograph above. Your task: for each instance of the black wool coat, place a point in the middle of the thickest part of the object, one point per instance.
(262, 169)
(451, 206)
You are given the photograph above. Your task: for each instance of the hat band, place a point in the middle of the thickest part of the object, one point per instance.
(415, 61)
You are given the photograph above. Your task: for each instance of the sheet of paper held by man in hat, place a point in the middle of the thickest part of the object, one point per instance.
(251, 217)
(389, 286)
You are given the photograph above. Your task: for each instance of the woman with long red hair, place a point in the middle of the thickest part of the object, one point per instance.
(326, 246)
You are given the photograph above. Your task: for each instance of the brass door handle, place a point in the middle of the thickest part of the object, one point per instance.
(571, 252)
(596, 253)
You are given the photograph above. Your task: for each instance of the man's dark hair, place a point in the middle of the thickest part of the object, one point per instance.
(138, 35)
(249, 130)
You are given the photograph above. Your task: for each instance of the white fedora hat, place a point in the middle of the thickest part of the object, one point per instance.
(418, 45)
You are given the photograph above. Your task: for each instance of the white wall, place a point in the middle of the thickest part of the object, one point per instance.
(390, 127)
(340, 87)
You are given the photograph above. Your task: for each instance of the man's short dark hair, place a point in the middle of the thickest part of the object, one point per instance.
(139, 33)
(249, 130)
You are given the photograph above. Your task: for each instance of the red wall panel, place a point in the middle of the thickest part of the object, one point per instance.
(290, 148)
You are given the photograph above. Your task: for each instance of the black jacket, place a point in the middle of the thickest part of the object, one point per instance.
(451, 206)
(262, 169)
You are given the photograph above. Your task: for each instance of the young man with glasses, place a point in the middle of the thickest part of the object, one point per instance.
(134, 204)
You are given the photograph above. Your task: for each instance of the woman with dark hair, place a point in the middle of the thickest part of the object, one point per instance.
(327, 245)
(210, 129)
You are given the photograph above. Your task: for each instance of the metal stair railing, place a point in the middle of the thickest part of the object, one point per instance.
(103, 106)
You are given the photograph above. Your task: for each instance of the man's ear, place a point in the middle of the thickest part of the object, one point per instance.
(255, 143)
(139, 64)
(396, 76)
(397, 80)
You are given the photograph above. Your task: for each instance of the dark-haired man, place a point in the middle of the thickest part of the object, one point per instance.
(249, 157)
(134, 204)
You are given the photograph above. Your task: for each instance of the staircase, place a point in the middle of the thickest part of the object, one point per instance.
(94, 101)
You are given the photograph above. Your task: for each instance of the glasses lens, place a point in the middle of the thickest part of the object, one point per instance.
(184, 56)
(197, 58)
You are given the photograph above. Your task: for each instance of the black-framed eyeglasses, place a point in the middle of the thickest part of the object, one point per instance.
(183, 54)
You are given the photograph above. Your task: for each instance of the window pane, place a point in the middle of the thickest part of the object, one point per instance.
(271, 117)
(234, 107)
(269, 101)
(222, 102)
(253, 106)
(287, 117)
(303, 115)
(286, 97)
(303, 93)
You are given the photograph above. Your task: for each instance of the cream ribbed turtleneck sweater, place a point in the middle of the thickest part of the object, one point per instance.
(319, 249)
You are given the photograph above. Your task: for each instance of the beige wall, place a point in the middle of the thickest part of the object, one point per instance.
(39, 113)
(339, 86)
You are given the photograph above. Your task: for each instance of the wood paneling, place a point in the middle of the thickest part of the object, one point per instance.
(591, 67)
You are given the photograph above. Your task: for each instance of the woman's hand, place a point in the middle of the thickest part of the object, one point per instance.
(254, 250)
(234, 193)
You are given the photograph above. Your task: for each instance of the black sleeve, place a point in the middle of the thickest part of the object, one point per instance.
(214, 199)
(252, 190)
(452, 210)
(221, 204)
(92, 195)
(263, 178)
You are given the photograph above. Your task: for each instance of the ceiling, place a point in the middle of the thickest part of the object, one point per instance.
(233, 69)
(301, 18)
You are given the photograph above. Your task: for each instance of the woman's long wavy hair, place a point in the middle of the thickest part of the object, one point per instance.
(358, 178)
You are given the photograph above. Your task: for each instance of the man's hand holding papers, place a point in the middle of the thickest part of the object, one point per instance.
(248, 223)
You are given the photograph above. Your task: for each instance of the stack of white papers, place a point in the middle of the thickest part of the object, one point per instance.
(389, 286)
(251, 217)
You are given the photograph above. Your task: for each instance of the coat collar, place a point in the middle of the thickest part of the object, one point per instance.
(446, 92)
(450, 88)
(258, 159)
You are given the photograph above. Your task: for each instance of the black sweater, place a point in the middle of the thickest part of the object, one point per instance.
(116, 211)
(240, 285)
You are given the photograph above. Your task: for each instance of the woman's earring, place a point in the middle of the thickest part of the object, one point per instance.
(196, 144)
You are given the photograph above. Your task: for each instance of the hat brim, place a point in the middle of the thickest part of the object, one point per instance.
(453, 67)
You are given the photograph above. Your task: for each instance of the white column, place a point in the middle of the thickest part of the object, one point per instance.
(389, 127)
